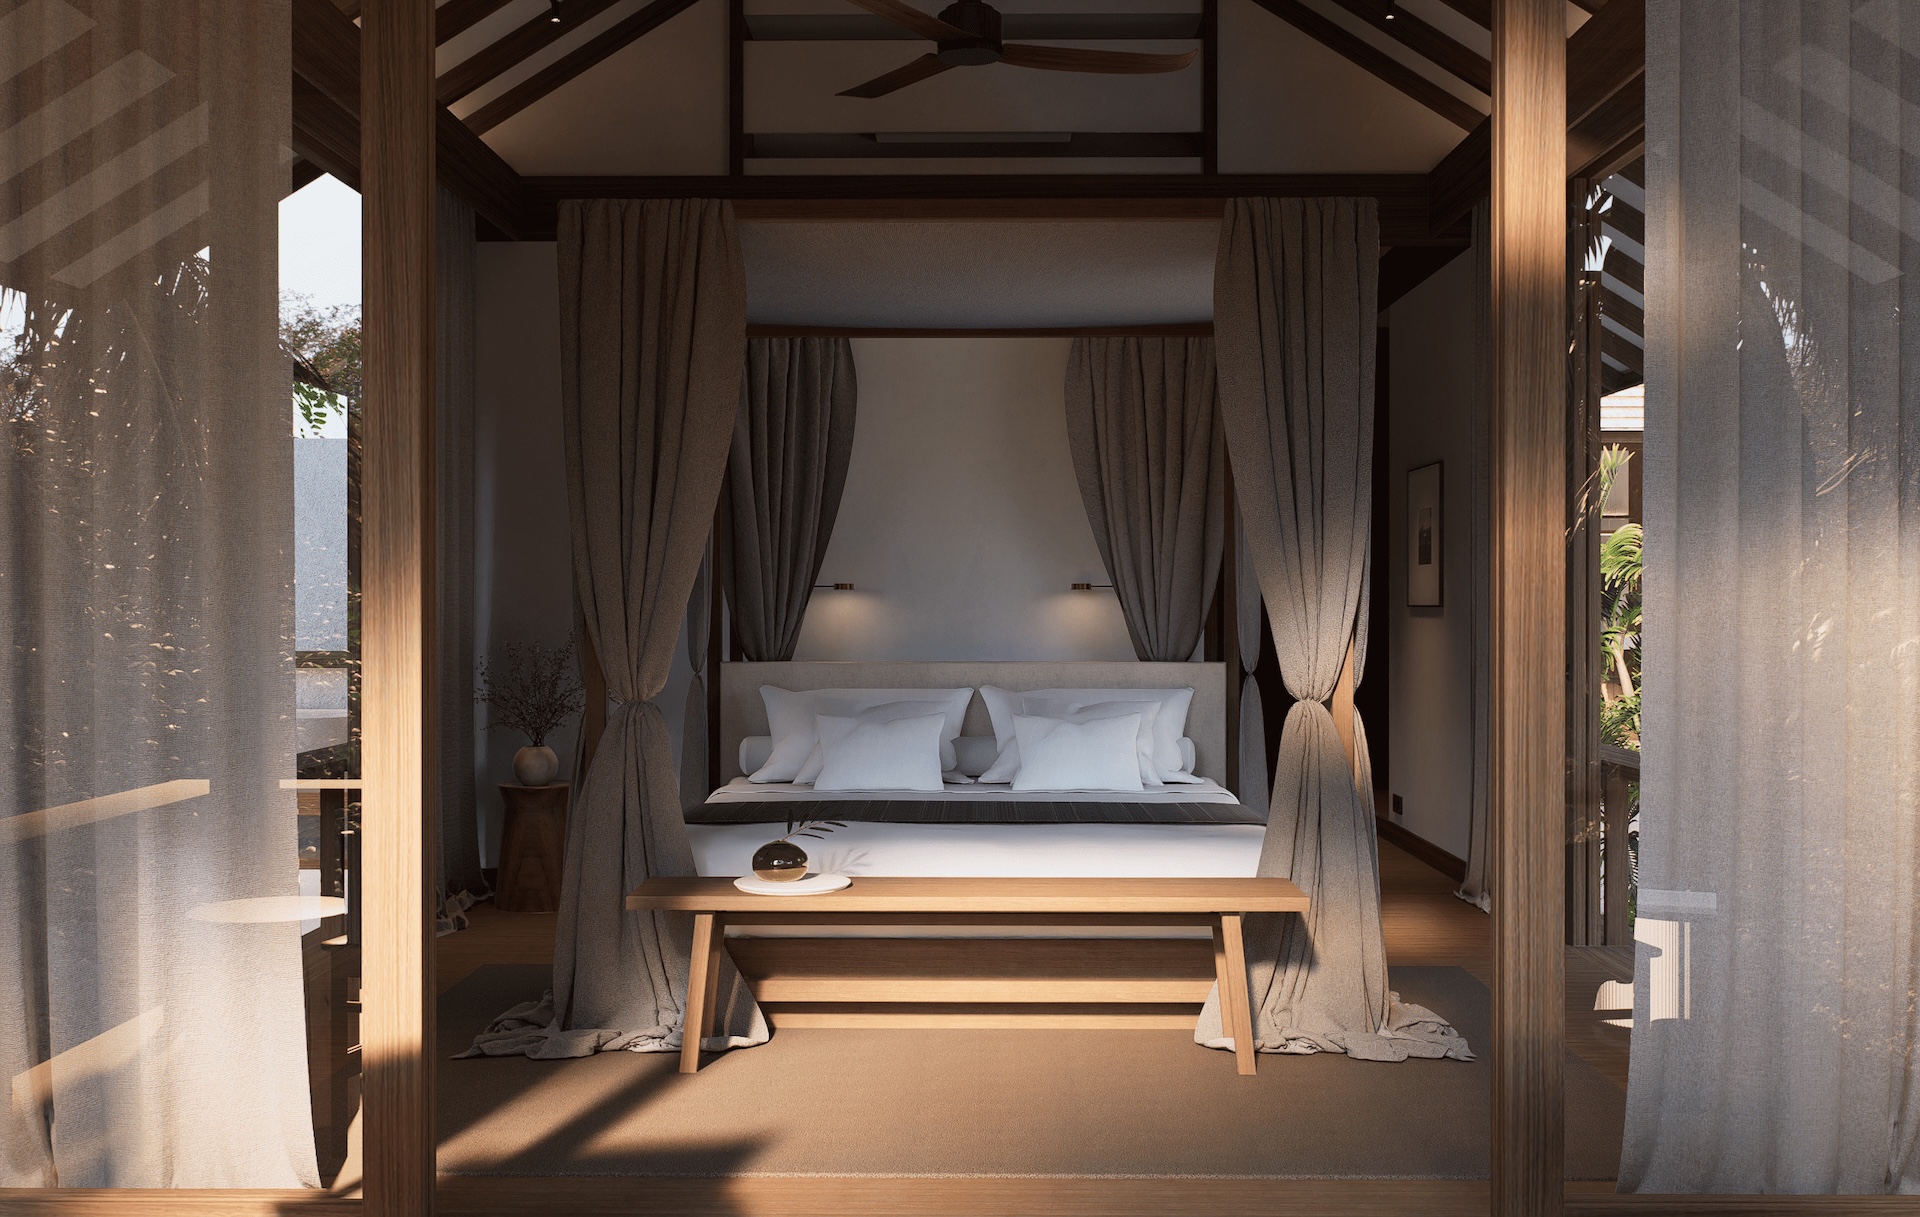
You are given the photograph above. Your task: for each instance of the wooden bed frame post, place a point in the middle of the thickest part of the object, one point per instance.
(1529, 605)
(397, 134)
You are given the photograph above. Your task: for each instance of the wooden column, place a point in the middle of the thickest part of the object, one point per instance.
(1528, 440)
(397, 110)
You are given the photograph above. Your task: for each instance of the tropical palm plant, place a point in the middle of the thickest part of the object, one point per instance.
(1620, 616)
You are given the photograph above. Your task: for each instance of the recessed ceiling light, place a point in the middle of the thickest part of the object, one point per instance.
(553, 11)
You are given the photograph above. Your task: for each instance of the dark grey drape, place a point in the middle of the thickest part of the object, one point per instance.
(693, 716)
(453, 488)
(1294, 316)
(791, 444)
(1146, 446)
(652, 328)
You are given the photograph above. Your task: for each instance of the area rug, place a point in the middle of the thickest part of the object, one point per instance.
(946, 1102)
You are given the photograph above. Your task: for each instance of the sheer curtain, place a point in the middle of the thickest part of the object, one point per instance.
(150, 965)
(1774, 1033)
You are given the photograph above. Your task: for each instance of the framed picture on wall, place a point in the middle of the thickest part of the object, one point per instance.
(1423, 536)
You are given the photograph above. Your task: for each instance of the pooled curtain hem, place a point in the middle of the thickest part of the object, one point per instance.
(532, 1030)
(1411, 1032)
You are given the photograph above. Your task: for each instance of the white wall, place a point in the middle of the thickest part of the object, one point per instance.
(522, 553)
(1430, 649)
(962, 526)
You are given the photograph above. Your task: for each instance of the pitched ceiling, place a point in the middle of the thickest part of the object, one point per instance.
(641, 86)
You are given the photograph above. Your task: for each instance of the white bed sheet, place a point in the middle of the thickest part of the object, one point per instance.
(1043, 850)
(740, 790)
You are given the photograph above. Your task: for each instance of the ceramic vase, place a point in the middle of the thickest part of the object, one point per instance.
(779, 862)
(536, 766)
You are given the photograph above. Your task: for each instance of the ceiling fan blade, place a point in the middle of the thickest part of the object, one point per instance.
(899, 78)
(1072, 59)
(909, 17)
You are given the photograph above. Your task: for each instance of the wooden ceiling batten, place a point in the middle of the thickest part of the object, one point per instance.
(1339, 39)
(456, 17)
(1480, 12)
(1424, 40)
(528, 39)
(601, 46)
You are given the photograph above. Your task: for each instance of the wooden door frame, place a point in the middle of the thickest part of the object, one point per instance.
(397, 152)
(1528, 790)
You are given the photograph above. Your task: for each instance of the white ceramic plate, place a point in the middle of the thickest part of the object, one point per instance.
(812, 885)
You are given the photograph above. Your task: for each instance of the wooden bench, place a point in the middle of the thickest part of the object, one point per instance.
(878, 900)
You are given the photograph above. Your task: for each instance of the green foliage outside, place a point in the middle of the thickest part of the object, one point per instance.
(324, 344)
(1620, 568)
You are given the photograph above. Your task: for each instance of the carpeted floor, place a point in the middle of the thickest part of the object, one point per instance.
(966, 1102)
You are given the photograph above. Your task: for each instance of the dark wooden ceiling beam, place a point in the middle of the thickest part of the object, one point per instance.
(1431, 44)
(326, 120)
(1342, 41)
(608, 42)
(1402, 197)
(1606, 111)
(1407, 267)
(529, 38)
(456, 17)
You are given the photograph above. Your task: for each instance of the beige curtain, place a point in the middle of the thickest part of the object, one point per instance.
(1145, 438)
(1294, 318)
(1253, 711)
(1778, 921)
(791, 444)
(653, 325)
(1476, 888)
(153, 1028)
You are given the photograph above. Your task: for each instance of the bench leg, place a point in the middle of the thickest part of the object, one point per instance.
(1230, 972)
(703, 973)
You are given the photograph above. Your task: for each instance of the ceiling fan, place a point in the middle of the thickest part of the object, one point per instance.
(968, 34)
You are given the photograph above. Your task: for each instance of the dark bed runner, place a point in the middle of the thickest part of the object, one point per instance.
(971, 811)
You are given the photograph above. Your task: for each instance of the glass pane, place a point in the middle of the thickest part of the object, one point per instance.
(166, 1006)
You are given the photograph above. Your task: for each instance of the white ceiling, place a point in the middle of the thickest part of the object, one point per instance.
(976, 275)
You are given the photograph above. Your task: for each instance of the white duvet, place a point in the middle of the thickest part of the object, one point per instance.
(1040, 850)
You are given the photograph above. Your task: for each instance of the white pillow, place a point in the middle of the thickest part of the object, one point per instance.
(1003, 704)
(1102, 754)
(1008, 763)
(790, 718)
(1186, 775)
(899, 754)
(885, 712)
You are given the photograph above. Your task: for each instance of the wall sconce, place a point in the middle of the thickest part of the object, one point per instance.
(838, 587)
(1087, 587)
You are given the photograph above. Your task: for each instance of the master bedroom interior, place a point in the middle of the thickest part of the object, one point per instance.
(962, 611)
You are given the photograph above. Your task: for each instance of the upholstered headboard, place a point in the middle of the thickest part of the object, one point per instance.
(743, 713)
